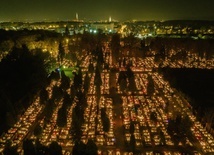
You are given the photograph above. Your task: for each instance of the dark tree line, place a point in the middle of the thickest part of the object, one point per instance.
(197, 87)
(203, 48)
(24, 74)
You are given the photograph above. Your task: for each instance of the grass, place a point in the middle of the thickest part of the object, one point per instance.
(69, 71)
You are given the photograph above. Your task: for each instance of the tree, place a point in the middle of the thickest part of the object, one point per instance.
(55, 75)
(209, 117)
(75, 150)
(82, 100)
(180, 128)
(124, 61)
(6, 46)
(106, 124)
(153, 116)
(55, 149)
(132, 143)
(86, 83)
(38, 131)
(49, 110)
(162, 138)
(73, 57)
(103, 113)
(117, 99)
(73, 91)
(77, 120)
(6, 111)
(57, 93)
(40, 149)
(162, 52)
(78, 79)
(105, 120)
(143, 49)
(122, 75)
(97, 78)
(67, 33)
(186, 125)
(80, 75)
(79, 148)
(9, 149)
(98, 95)
(67, 100)
(90, 68)
(91, 148)
(115, 46)
(131, 127)
(28, 147)
(43, 96)
(150, 86)
(61, 53)
(132, 85)
(65, 81)
(100, 59)
(106, 66)
(10, 119)
(129, 73)
(62, 117)
(131, 44)
(123, 85)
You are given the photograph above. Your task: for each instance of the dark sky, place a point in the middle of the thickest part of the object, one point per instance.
(11, 10)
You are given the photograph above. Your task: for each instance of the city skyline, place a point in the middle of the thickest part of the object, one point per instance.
(24, 10)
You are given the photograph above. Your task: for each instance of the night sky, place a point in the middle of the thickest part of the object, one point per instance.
(36, 10)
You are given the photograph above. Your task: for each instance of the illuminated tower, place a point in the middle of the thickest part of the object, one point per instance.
(110, 19)
(77, 18)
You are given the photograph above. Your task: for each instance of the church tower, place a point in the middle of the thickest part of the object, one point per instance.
(109, 19)
(77, 17)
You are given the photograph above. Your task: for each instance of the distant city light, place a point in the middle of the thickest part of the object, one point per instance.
(149, 34)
